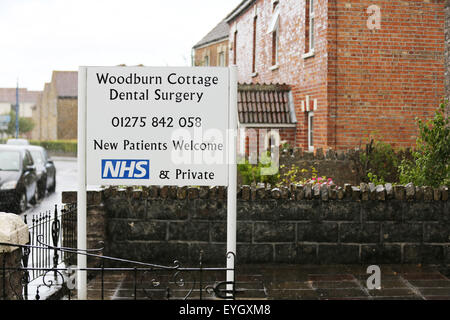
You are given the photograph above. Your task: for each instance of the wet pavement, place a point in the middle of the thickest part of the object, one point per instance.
(287, 282)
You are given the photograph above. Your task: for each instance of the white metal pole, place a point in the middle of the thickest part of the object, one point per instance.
(81, 195)
(232, 177)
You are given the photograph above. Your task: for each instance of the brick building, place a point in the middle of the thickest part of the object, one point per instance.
(355, 67)
(447, 48)
(212, 50)
(56, 112)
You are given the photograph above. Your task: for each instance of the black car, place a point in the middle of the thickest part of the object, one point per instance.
(18, 179)
(45, 170)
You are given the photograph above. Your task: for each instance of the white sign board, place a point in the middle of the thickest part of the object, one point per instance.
(157, 126)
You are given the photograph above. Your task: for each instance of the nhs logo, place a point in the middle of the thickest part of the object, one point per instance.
(125, 169)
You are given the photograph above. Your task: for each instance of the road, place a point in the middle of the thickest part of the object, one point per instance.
(66, 180)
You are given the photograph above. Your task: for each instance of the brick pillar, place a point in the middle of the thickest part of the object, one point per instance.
(96, 221)
(12, 231)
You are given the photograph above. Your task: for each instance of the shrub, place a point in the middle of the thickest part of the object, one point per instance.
(379, 162)
(66, 146)
(431, 158)
(254, 174)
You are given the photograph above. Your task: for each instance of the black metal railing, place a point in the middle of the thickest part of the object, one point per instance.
(55, 227)
(139, 281)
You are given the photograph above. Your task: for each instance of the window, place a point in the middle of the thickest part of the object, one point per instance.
(255, 21)
(311, 131)
(273, 30)
(309, 26)
(222, 59)
(235, 48)
(275, 48)
(206, 63)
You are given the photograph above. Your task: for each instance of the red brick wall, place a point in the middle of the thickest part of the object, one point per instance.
(447, 49)
(306, 76)
(387, 77)
(364, 80)
(257, 136)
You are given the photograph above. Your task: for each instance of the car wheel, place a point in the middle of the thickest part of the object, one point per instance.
(42, 188)
(22, 203)
(53, 187)
(35, 198)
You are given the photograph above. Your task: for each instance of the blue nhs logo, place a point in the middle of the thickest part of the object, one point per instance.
(125, 169)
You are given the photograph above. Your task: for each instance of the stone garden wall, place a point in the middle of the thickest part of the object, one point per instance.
(303, 224)
(343, 166)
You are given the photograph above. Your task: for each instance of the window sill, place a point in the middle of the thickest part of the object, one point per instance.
(308, 55)
(254, 74)
(273, 68)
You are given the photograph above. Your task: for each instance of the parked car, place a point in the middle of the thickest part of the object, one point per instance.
(45, 170)
(18, 142)
(18, 179)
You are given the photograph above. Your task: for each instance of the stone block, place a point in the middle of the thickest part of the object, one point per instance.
(399, 193)
(410, 190)
(436, 232)
(12, 231)
(389, 191)
(274, 232)
(317, 232)
(189, 231)
(425, 254)
(364, 189)
(255, 253)
(381, 254)
(338, 254)
(359, 233)
(402, 232)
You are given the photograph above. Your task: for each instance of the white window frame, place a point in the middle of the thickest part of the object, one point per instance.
(206, 61)
(274, 28)
(311, 25)
(276, 45)
(311, 131)
(221, 58)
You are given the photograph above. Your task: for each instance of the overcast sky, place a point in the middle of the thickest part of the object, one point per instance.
(38, 36)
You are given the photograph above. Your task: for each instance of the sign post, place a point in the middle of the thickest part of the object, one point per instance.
(232, 179)
(81, 195)
(156, 126)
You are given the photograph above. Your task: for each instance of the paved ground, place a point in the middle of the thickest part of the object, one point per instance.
(293, 282)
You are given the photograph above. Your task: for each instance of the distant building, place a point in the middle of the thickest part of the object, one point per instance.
(56, 111)
(212, 50)
(27, 101)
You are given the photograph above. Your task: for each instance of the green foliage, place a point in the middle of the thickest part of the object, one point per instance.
(374, 179)
(291, 175)
(66, 146)
(254, 174)
(25, 125)
(263, 172)
(379, 162)
(431, 159)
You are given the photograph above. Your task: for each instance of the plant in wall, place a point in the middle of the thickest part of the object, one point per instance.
(262, 172)
(430, 165)
(379, 161)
